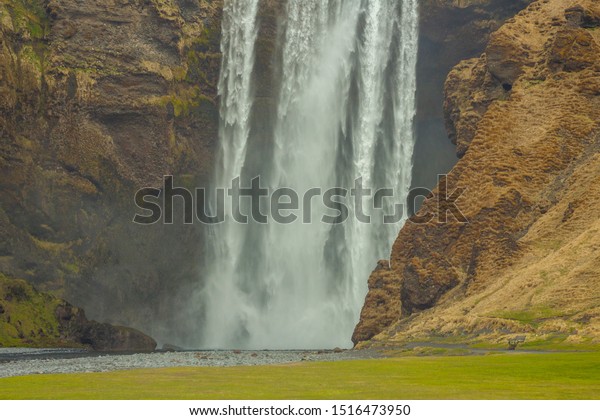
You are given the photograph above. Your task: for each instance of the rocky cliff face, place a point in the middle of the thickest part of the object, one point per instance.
(97, 100)
(450, 31)
(28, 317)
(526, 120)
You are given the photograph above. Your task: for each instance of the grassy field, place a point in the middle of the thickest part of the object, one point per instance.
(505, 376)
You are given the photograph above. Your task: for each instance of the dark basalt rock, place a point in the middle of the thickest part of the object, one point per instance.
(101, 337)
(582, 17)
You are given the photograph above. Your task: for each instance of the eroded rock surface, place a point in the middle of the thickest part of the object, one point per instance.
(526, 119)
(99, 99)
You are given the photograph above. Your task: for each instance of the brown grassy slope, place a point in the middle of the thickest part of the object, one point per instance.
(526, 117)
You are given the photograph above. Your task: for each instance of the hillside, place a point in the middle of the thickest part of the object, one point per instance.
(30, 318)
(526, 120)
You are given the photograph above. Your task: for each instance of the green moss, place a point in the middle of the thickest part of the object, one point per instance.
(182, 106)
(195, 73)
(187, 102)
(72, 268)
(29, 53)
(28, 317)
(209, 40)
(29, 16)
(31, 24)
(36, 30)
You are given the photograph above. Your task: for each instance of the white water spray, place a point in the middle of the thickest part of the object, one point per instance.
(345, 109)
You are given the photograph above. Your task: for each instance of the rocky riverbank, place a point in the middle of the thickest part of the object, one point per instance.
(20, 362)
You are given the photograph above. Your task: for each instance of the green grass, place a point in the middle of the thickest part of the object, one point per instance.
(531, 316)
(506, 376)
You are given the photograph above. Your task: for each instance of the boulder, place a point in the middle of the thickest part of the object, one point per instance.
(75, 327)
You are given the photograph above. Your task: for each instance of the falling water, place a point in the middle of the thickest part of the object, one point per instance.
(345, 108)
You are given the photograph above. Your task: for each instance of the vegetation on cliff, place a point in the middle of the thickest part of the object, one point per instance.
(525, 118)
(29, 318)
(97, 101)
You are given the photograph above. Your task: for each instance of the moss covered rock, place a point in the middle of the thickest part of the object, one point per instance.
(29, 318)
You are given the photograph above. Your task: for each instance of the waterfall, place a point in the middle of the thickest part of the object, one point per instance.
(344, 109)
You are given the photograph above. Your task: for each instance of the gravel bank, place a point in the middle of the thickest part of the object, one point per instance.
(19, 362)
